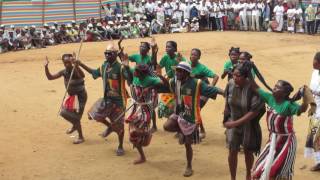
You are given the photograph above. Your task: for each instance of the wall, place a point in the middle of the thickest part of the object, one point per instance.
(37, 12)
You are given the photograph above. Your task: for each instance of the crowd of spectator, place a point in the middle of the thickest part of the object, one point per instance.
(140, 18)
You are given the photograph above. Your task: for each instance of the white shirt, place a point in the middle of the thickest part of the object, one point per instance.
(257, 9)
(243, 12)
(203, 10)
(315, 88)
(186, 11)
(168, 8)
(150, 7)
(278, 10)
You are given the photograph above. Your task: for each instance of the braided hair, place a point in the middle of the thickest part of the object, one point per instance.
(234, 49)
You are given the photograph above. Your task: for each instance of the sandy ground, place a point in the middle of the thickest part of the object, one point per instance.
(33, 143)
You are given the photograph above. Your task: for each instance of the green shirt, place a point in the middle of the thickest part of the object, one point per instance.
(147, 81)
(191, 91)
(202, 71)
(138, 59)
(113, 77)
(228, 66)
(168, 62)
(285, 108)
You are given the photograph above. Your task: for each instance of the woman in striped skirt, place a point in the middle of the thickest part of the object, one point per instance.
(143, 91)
(276, 161)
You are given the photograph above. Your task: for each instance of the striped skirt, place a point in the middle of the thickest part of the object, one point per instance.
(277, 158)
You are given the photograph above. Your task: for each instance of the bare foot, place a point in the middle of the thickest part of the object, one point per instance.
(120, 152)
(315, 168)
(70, 131)
(154, 129)
(202, 135)
(188, 172)
(139, 161)
(78, 141)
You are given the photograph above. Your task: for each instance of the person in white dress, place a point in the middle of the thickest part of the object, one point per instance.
(279, 11)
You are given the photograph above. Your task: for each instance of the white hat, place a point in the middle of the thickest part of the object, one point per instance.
(185, 66)
(73, 21)
(118, 15)
(110, 22)
(132, 21)
(12, 26)
(90, 25)
(99, 24)
(52, 27)
(195, 19)
(268, 1)
(26, 27)
(2, 25)
(144, 17)
(186, 20)
(45, 25)
(33, 26)
(159, 2)
(55, 22)
(69, 25)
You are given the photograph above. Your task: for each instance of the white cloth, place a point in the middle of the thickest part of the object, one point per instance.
(315, 88)
(150, 7)
(244, 7)
(278, 10)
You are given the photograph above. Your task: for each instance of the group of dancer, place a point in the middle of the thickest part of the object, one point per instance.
(179, 95)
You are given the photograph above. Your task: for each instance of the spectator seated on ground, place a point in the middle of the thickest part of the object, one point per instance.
(186, 26)
(156, 27)
(134, 29)
(175, 26)
(144, 27)
(194, 26)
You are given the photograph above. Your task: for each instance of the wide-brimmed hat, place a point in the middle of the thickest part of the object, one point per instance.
(183, 65)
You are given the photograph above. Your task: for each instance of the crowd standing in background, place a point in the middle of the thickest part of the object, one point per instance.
(141, 18)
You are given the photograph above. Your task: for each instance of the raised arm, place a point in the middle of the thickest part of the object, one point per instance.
(48, 74)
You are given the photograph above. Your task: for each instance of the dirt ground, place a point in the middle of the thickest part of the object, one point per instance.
(33, 143)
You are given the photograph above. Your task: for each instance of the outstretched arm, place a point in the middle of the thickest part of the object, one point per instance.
(247, 117)
(48, 74)
(85, 67)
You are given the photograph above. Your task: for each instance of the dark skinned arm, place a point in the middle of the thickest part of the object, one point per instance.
(85, 67)
(247, 117)
(48, 74)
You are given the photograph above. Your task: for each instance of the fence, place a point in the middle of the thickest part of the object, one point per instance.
(38, 12)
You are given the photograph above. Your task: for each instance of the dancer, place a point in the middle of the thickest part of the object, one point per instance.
(200, 71)
(243, 111)
(186, 119)
(312, 148)
(144, 88)
(73, 105)
(276, 161)
(114, 100)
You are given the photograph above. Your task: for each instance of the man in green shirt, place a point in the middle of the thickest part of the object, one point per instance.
(113, 103)
(187, 117)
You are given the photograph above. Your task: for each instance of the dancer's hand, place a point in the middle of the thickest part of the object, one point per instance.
(229, 124)
(179, 57)
(125, 60)
(46, 62)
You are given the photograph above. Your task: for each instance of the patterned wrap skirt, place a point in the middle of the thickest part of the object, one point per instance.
(277, 158)
(102, 110)
(140, 116)
(73, 106)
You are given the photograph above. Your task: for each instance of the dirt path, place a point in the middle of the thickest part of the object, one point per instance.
(33, 144)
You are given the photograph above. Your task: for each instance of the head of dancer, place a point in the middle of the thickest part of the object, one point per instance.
(111, 53)
(183, 70)
(316, 61)
(240, 73)
(141, 71)
(195, 56)
(171, 48)
(234, 54)
(282, 90)
(67, 61)
(144, 48)
(245, 56)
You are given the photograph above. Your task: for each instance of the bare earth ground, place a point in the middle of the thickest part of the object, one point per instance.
(33, 143)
